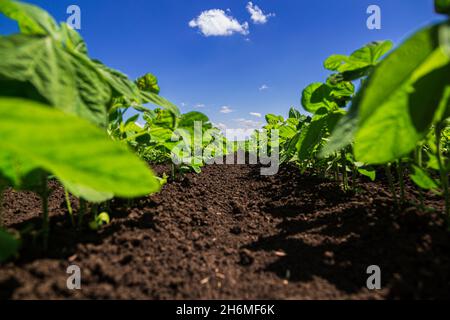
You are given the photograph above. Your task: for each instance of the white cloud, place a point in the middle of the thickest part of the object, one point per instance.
(249, 124)
(220, 126)
(216, 22)
(238, 134)
(264, 87)
(226, 110)
(256, 114)
(234, 134)
(257, 15)
(199, 106)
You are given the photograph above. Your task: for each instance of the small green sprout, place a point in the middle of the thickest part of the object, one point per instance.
(99, 221)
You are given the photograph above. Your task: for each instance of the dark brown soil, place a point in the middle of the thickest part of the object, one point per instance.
(230, 233)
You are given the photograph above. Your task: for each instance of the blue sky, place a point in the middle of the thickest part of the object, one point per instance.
(260, 68)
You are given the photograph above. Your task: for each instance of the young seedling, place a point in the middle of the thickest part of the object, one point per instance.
(444, 167)
(391, 184)
(99, 221)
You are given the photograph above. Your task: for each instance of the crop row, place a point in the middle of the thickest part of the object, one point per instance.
(397, 121)
(62, 117)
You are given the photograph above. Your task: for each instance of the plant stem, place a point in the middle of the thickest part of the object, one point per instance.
(173, 171)
(419, 163)
(419, 155)
(344, 172)
(336, 170)
(69, 207)
(82, 212)
(354, 177)
(400, 174)
(391, 184)
(442, 170)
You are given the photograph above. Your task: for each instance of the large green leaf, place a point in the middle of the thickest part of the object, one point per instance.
(79, 154)
(65, 79)
(414, 58)
(32, 20)
(400, 100)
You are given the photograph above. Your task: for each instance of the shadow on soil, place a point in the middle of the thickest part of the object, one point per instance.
(335, 236)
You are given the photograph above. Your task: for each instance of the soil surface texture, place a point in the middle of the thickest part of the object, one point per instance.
(230, 233)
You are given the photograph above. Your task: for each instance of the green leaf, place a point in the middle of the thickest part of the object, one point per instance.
(273, 119)
(148, 83)
(316, 96)
(150, 97)
(73, 39)
(309, 140)
(87, 193)
(342, 136)
(398, 103)
(412, 60)
(370, 173)
(79, 154)
(371, 53)
(188, 120)
(65, 79)
(9, 245)
(120, 83)
(442, 6)
(362, 58)
(312, 135)
(294, 114)
(287, 132)
(32, 20)
(160, 134)
(164, 119)
(422, 179)
(13, 169)
(335, 61)
(99, 221)
(432, 162)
